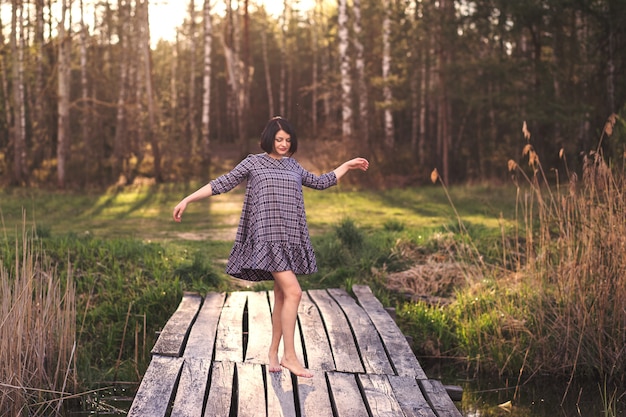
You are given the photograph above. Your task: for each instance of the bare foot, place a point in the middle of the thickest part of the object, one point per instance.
(274, 363)
(296, 368)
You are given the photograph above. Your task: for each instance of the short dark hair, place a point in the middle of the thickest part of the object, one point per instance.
(272, 127)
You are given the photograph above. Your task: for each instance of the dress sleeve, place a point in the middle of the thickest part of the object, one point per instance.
(230, 180)
(318, 182)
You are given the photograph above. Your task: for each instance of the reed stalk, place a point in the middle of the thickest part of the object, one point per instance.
(37, 332)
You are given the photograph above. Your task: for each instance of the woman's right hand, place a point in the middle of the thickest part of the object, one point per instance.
(178, 211)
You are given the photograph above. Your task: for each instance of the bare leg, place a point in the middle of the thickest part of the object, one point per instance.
(277, 330)
(291, 295)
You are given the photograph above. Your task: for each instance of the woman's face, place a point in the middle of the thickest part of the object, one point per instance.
(282, 144)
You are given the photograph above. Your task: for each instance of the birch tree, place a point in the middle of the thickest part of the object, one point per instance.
(153, 117)
(193, 131)
(346, 81)
(119, 145)
(314, 70)
(360, 70)
(84, 87)
(41, 135)
(20, 173)
(206, 91)
(266, 66)
(386, 73)
(283, 69)
(63, 103)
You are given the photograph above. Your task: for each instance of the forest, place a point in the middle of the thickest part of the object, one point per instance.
(88, 98)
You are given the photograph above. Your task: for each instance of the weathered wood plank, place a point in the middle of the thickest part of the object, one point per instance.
(345, 395)
(410, 396)
(436, 394)
(313, 396)
(369, 343)
(156, 388)
(220, 398)
(318, 353)
(172, 337)
(259, 328)
(202, 335)
(381, 400)
(342, 342)
(192, 386)
(280, 395)
(251, 391)
(229, 342)
(402, 357)
(297, 338)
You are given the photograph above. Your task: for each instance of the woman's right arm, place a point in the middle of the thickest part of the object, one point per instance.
(203, 192)
(219, 185)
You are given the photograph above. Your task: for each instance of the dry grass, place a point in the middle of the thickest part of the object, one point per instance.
(37, 333)
(575, 246)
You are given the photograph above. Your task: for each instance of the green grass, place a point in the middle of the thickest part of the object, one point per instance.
(131, 262)
(145, 212)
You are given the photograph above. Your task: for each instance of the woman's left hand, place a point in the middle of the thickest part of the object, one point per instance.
(358, 163)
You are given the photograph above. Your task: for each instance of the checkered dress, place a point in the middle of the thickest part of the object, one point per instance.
(273, 233)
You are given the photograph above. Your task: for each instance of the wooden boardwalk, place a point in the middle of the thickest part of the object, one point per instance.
(211, 360)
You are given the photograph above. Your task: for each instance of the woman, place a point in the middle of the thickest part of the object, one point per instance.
(272, 241)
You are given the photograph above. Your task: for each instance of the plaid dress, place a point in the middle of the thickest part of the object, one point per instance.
(273, 233)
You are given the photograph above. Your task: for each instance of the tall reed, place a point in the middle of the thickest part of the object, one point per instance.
(555, 303)
(573, 259)
(37, 332)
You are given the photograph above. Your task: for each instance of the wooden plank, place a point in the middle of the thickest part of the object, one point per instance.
(259, 328)
(229, 342)
(368, 341)
(156, 388)
(342, 342)
(410, 396)
(345, 395)
(280, 395)
(402, 357)
(251, 390)
(220, 398)
(192, 386)
(440, 402)
(172, 337)
(379, 395)
(318, 353)
(297, 337)
(313, 396)
(202, 335)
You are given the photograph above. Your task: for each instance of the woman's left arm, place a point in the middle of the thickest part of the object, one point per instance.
(356, 163)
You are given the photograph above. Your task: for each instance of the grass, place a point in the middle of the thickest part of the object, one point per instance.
(131, 262)
(517, 257)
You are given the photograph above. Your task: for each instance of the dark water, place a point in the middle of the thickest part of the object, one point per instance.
(538, 397)
(481, 398)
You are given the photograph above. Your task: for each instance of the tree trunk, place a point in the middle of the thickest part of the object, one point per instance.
(423, 100)
(314, 69)
(386, 72)
(153, 117)
(346, 82)
(283, 70)
(20, 173)
(268, 75)
(361, 77)
(5, 87)
(444, 111)
(206, 92)
(64, 68)
(119, 145)
(193, 130)
(84, 86)
(41, 146)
